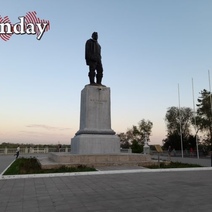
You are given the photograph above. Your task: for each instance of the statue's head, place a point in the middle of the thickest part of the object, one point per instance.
(95, 35)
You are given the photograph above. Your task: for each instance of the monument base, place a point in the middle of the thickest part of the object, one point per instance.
(95, 135)
(95, 144)
(56, 160)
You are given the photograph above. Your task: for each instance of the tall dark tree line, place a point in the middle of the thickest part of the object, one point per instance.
(178, 123)
(204, 116)
(181, 121)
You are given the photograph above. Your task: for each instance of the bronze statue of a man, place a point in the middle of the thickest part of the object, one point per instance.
(93, 59)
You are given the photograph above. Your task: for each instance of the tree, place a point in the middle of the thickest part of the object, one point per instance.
(136, 135)
(204, 115)
(179, 118)
(124, 141)
(172, 140)
(136, 147)
(178, 121)
(142, 131)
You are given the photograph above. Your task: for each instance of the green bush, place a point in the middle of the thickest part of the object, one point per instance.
(173, 165)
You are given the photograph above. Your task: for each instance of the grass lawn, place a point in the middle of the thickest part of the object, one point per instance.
(31, 166)
(172, 165)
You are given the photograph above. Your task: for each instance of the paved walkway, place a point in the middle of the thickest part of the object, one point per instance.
(118, 190)
(5, 161)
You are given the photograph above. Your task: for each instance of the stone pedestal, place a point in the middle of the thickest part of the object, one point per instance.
(95, 135)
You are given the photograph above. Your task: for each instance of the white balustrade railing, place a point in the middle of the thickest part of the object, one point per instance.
(31, 150)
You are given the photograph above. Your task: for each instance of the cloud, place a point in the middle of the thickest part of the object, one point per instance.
(46, 127)
(37, 134)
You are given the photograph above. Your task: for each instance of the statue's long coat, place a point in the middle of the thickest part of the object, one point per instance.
(92, 51)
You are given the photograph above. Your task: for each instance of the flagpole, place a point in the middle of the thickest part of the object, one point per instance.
(209, 78)
(195, 122)
(181, 138)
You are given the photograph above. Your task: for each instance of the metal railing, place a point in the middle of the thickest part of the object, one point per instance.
(178, 153)
(31, 150)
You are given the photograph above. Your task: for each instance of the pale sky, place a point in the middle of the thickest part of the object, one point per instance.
(148, 48)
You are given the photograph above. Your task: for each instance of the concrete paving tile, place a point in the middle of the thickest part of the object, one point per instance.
(30, 193)
(43, 197)
(35, 209)
(47, 209)
(14, 208)
(45, 203)
(30, 204)
(59, 203)
(29, 197)
(75, 204)
(77, 209)
(15, 203)
(63, 208)
(57, 197)
(3, 206)
(94, 207)
(4, 197)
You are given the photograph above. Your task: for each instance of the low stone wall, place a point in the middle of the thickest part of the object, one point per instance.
(71, 160)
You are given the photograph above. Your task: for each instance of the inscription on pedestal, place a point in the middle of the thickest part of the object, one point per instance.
(95, 134)
(98, 101)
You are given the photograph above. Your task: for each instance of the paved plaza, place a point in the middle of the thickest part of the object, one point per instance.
(118, 190)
